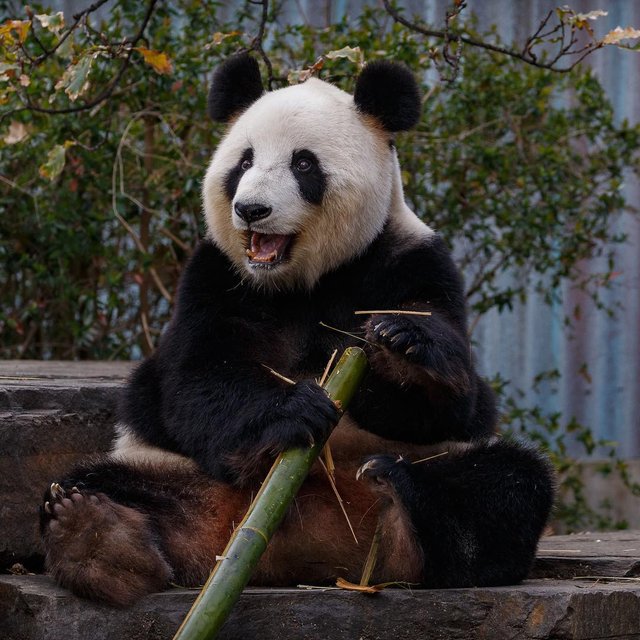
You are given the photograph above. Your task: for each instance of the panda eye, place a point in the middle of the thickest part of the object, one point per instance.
(303, 165)
(246, 165)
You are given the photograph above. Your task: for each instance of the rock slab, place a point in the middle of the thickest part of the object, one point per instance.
(33, 608)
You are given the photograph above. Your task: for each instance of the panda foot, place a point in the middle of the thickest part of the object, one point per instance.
(385, 472)
(100, 549)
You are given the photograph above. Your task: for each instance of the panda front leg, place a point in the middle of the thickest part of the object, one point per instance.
(114, 532)
(472, 517)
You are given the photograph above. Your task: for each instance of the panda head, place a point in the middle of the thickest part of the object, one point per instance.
(306, 176)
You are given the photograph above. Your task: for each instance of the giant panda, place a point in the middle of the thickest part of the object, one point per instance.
(306, 224)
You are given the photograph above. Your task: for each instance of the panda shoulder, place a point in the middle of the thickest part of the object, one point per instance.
(207, 272)
(424, 259)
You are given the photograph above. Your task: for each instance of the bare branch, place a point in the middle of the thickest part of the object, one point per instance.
(526, 55)
(256, 44)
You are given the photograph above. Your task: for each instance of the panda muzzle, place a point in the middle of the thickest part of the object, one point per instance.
(268, 248)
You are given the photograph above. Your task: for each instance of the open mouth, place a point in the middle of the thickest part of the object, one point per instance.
(268, 249)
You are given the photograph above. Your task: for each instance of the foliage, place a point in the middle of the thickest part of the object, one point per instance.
(519, 167)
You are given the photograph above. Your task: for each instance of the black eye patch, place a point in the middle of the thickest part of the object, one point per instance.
(233, 177)
(309, 175)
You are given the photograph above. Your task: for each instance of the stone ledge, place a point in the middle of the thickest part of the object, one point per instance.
(33, 608)
(52, 415)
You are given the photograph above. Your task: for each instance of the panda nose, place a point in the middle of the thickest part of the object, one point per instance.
(252, 212)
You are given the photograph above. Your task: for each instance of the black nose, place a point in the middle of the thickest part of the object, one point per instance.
(252, 212)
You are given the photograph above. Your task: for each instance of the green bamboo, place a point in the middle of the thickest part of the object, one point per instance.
(249, 541)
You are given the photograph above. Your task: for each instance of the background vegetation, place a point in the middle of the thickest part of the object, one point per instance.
(104, 141)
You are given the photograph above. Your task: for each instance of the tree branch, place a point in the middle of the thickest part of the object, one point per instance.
(526, 55)
(77, 17)
(256, 43)
(110, 88)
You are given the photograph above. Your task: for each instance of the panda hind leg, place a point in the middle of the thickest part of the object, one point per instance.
(100, 549)
(473, 517)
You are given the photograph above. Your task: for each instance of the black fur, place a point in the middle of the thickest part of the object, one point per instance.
(232, 179)
(312, 182)
(236, 84)
(219, 402)
(389, 92)
(478, 514)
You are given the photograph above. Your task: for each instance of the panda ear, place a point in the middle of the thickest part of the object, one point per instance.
(389, 92)
(236, 84)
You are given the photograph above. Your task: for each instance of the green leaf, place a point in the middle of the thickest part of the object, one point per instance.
(74, 80)
(54, 165)
(351, 53)
(54, 22)
(65, 50)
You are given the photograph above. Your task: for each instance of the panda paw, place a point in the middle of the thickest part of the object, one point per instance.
(59, 503)
(386, 473)
(400, 335)
(62, 507)
(306, 416)
(430, 345)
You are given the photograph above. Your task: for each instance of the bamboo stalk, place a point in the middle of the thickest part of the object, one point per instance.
(402, 312)
(249, 541)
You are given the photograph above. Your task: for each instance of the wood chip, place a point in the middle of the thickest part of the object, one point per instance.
(349, 586)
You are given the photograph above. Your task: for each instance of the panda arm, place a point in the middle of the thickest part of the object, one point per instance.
(214, 401)
(423, 384)
(232, 417)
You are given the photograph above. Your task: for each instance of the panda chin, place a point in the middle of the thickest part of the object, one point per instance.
(268, 250)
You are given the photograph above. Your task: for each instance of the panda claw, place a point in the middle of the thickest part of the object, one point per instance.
(57, 492)
(47, 507)
(364, 468)
(411, 350)
(75, 490)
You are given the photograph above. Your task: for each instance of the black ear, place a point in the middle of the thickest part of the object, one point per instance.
(236, 84)
(389, 92)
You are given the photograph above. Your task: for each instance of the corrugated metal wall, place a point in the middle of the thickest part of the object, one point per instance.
(531, 339)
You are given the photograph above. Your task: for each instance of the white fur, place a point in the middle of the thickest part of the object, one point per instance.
(403, 222)
(363, 183)
(128, 447)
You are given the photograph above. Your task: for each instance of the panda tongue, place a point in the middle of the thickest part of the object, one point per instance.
(267, 247)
